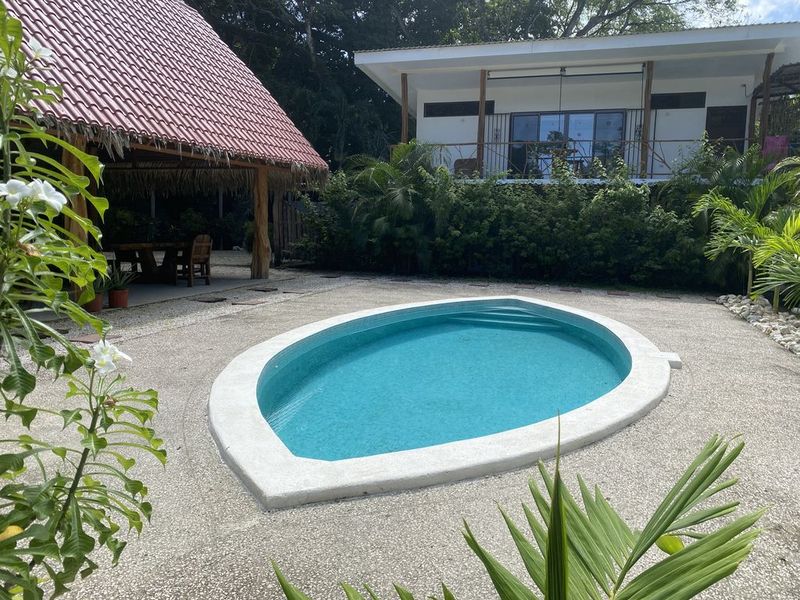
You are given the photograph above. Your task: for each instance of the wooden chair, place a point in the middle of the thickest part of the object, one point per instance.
(197, 260)
(465, 167)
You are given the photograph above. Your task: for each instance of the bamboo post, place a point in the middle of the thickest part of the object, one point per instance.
(259, 264)
(77, 203)
(764, 123)
(481, 122)
(404, 103)
(644, 153)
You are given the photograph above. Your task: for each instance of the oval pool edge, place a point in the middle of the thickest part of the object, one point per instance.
(279, 479)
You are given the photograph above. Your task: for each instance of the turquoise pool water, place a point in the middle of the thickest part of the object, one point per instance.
(435, 374)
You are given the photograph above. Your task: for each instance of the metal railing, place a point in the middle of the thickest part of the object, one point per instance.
(534, 159)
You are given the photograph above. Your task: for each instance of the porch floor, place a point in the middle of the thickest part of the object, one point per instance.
(229, 270)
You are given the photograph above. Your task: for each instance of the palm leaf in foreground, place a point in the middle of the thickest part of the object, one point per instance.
(586, 551)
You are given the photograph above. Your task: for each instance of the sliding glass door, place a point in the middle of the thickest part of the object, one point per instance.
(524, 132)
(537, 139)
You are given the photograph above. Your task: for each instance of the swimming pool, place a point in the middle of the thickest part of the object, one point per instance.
(416, 394)
(435, 374)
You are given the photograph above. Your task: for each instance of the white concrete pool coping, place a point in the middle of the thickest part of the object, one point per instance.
(279, 479)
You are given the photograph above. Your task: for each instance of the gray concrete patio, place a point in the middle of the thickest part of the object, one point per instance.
(209, 539)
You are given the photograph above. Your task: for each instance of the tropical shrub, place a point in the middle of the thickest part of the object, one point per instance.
(744, 225)
(406, 216)
(60, 498)
(589, 552)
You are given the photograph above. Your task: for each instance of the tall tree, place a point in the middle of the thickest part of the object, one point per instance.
(606, 17)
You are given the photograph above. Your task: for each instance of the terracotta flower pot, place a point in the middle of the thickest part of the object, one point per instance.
(118, 298)
(95, 305)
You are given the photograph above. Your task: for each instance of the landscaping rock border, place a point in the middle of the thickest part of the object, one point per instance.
(783, 327)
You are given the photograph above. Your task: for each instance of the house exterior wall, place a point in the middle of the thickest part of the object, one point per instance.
(673, 131)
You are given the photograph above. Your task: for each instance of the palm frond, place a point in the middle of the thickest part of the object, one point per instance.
(781, 273)
(587, 552)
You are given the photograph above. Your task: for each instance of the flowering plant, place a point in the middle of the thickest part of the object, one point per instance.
(58, 501)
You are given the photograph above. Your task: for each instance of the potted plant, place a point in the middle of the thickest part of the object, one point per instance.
(118, 284)
(95, 305)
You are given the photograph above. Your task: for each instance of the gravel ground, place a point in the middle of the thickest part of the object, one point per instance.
(209, 539)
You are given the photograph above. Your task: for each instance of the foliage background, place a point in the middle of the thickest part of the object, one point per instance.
(303, 50)
(619, 233)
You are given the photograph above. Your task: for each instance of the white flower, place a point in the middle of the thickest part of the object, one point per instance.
(43, 191)
(39, 52)
(15, 191)
(9, 72)
(106, 357)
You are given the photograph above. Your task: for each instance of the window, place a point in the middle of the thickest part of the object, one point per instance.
(456, 109)
(576, 137)
(680, 100)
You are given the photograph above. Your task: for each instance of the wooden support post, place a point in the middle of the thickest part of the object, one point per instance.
(481, 122)
(77, 203)
(220, 214)
(259, 264)
(644, 152)
(766, 91)
(404, 104)
(751, 120)
(152, 203)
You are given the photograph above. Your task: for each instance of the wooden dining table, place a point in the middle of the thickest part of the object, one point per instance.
(142, 255)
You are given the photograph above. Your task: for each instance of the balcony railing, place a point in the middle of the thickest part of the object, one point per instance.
(534, 159)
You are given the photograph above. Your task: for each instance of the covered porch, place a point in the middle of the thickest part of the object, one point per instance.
(645, 99)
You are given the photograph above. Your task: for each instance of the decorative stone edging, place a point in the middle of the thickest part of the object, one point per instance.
(783, 327)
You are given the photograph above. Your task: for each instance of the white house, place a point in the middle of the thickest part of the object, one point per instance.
(648, 98)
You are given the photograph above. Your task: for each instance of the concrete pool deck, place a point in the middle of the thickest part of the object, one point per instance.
(210, 539)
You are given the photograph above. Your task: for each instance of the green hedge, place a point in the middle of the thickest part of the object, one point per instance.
(615, 234)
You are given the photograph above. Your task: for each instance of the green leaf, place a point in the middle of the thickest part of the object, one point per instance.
(25, 413)
(403, 593)
(508, 586)
(71, 416)
(125, 462)
(291, 592)
(94, 442)
(670, 544)
(351, 593)
(556, 558)
(11, 462)
(447, 594)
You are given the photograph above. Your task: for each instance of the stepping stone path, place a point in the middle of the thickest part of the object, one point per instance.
(210, 299)
(250, 302)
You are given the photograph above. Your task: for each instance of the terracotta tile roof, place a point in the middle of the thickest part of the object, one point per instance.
(154, 69)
